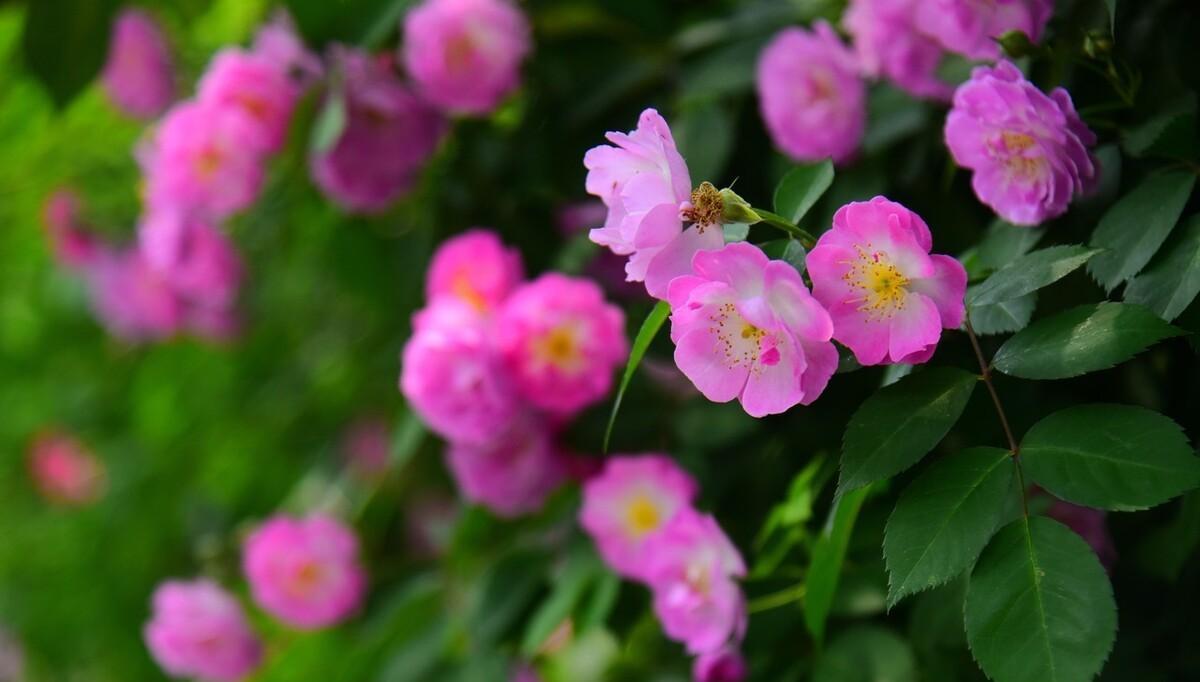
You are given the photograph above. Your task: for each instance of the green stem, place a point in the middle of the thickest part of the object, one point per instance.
(793, 230)
(777, 599)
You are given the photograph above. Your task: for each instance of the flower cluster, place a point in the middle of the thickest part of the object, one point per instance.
(639, 512)
(64, 470)
(496, 365)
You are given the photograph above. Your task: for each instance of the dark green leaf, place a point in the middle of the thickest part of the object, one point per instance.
(1170, 287)
(569, 587)
(1039, 606)
(801, 187)
(944, 519)
(893, 115)
(1117, 457)
(736, 232)
(1030, 273)
(1167, 548)
(828, 554)
(1135, 226)
(1170, 133)
(794, 255)
(704, 133)
(1004, 317)
(1081, 340)
(1004, 242)
(900, 423)
(654, 322)
(867, 653)
(350, 21)
(65, 43)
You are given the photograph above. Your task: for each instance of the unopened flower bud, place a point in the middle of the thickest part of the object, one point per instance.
(735, 209)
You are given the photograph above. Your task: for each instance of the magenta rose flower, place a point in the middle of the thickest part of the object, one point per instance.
(199, 630)
(476, 268)
(133, 300)
(139, 75)
(305, 572)
(723, 665)
(644, 182)
(465, 55)
(1028, 151)
(196, 259)
(888, 297)
(277, 43)
(889, 44)
(969, 27)
(746, 327)
(65, 471)
(513, 472)
(257, 87)
(627, 505)
(810, 94)
(561, 341)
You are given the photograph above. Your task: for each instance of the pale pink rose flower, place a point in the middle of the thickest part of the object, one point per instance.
(65, 470)
(475, 268)
(723, 665)
(305, 572)
(255, 86)
(888, 43)
(969, 27)
(139, 75)
(199, 630)
(511, 474)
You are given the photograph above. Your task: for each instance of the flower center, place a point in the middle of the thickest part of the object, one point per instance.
(461, 287)
(255, 106)
(560, 347)
(882, 288)
(1018, 159)
(642, 516)
(740, 342)
(705, 207)
(208, 162)
(697, 577)
(460, 52)
(306, 578)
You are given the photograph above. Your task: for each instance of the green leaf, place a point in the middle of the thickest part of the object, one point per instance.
(654, 322)
(1081, 340)
(893, 115)
(1039, 606)
(704, 133)
(867, 653)
(349, 21)
(65, 43)
(1112, 14)
(1030, 273)
(1004, 317)
(944, 519)
(1170, 287)
(1004, 242)
(801, 187)
(581, 569)
(330, 122)
(1117, 457)
(828, 554)
(1171, 133)
(900, 423)
(1135, 226)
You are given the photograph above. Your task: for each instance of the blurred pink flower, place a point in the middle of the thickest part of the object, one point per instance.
(73, 247)
(475, 268)
(888, 297)
(452, 377)
(133, 300)
(513, 472)
(561, 342)
(968, 27)
(523, 672)
(199, 630)
(811, 96)
(366, 446)
(465, 55)
(690, 567)
(626, 507)
(12, 658)
(388, 136)
(196, 259)
(888, 43)
(1029, 152)
(277, 43)
(258, 87)
(139, 76)
(305, 572)
(723, 665)
(746, 327)
(65, 470)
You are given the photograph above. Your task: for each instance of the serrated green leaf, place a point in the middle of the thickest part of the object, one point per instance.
(944, 519)
(1137, 225)
(1004, 317)
(1170, 287)
(1117, 457)
(867, 653)
(654, 322)
(801, 187)
(1039, 606)
(65, 43)
(828, 555)
(1004, 242)
(894, 428)
(1081, 340)
(1030, 273)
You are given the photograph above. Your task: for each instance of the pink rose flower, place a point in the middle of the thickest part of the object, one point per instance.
(196, 259)
(199, 630)
(305, 572)
(73, 247)
(389, 135)
(1029, 152)
(561, 341)
(65, 471)
(475, 268)
(690, 569)
(133, 300)
(452, 377)
(969, 27)
(513, 472)
(139, 76)
(889, 44)
(626, 507)
(888, 297)
(277, 43)
(746, 327)
(644, 182)
(810, 94)
(723, 665)
(465, 55)
(257, 87)
(205, 159)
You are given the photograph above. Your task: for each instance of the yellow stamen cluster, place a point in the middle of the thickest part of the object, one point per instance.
(706, 207)
(883, 288)
(560, 347)
(642, 516)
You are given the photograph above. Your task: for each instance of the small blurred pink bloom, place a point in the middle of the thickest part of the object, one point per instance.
(969, 27)
(475, 268)
(561, 341)
(366, 445)
(513, 472)
(73, 246)
(746, 327)
(388, 136)
(626, 507)
(691, 566)
(196, 259)
(888, 43)
(1029, 152)
(465, 55)
(131, 298)
(723, 665)
(65, 471)
(305, 572)
(888, 297)
(277, 43)
(199, 630)
(255, 86)
(580, 216)
(811, 96)
(139, 76)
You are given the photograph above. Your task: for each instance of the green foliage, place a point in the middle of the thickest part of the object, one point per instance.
(1039, 606)
(867, 654)
(1117, 457)
(1170, 287)
(1030, 273)
(1133, 229)
(65, 43)
(1003, 317)
(800, 189)
(828, 555)
(649, 329)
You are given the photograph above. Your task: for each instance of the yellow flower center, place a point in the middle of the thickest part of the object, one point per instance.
(560, 347)
(1016, 161)
(462, 287)
(306, 579)
(642, 516)
(882, 288)
(208, 162)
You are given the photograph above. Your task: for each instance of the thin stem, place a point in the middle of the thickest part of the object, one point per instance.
(777, 599)
(795, 231)
(986, 375)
